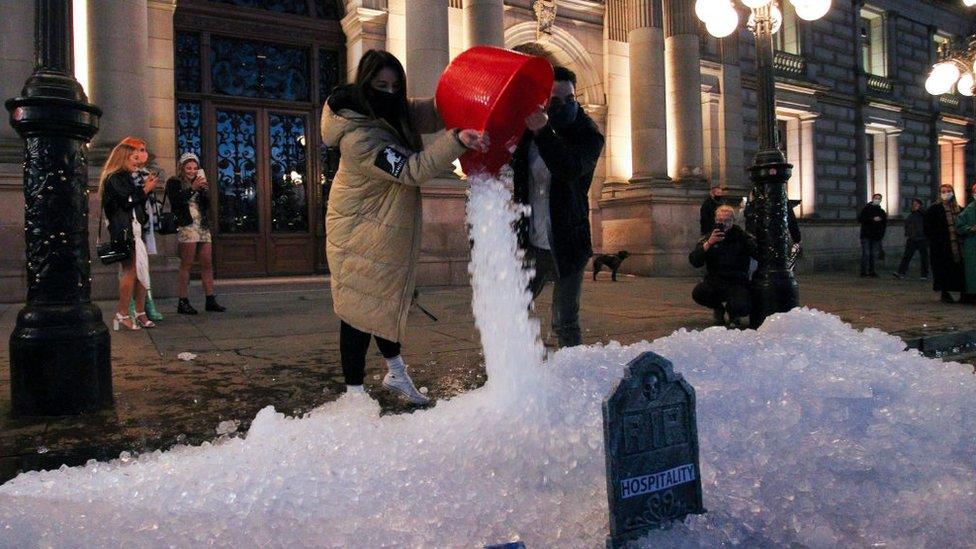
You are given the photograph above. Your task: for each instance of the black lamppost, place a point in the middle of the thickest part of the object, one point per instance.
(774, 288)
(59, 350)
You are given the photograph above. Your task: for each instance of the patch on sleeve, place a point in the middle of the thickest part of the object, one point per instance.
(390, 161)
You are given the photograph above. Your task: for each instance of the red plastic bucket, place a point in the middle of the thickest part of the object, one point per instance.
(494, 90)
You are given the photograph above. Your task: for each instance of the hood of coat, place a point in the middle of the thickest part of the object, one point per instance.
(342, 115)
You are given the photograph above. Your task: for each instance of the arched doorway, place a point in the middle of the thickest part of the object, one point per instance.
(250, 80)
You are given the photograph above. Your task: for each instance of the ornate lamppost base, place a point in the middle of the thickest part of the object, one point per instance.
(60, 360)
(774, 289)
(60, 355)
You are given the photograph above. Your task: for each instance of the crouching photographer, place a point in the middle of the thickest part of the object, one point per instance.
(725, 254)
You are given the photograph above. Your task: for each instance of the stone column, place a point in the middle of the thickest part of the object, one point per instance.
(161, 73)
(893, 200)
(683, 84)
(16, 64)
(444, 247)
(365, 29)
(732, 162)
(118, 53)
(808, 166)
(959, 168)
(648, 114)
(484, 23)
(427, 46)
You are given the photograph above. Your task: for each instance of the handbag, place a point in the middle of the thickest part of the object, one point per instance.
(166, 221)
(112, 251)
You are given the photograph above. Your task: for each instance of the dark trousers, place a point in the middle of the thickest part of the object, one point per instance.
(869, 249)
(923, 249)
(566, 291)
(733, 297)
(353, 345)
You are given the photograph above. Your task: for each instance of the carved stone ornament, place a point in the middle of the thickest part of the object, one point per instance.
(545, 16)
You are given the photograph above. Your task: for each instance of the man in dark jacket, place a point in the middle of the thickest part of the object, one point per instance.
(553, 168)
(873, 220)
(915, 240)
(708, 207)
(725, 254)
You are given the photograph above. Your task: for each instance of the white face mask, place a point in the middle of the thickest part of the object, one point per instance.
(947, 196)
(876, 202)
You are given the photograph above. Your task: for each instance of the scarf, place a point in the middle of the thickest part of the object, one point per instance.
(951, 211)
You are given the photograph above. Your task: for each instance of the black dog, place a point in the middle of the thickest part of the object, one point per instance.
(611, 262)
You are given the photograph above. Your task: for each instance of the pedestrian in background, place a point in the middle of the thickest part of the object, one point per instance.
(188, 193)
(944, 244)
(873, 220)
(123, 188)
(152, 208)
(706, 214)
(725, 253)
(966, 229)
(915, 241)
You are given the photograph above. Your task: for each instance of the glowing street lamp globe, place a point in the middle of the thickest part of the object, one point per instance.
(704, 9)
(723, 22)
(966, 83)
(810, 10)
(720, 17)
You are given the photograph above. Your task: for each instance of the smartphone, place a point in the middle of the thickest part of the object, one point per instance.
(201, 174)
(719, 227)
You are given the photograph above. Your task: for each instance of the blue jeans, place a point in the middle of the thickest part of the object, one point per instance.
(566, 291)
(869, 249)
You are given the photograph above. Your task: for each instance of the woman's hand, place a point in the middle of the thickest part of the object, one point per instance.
(150, 184)
(474, 140)
(199, 183)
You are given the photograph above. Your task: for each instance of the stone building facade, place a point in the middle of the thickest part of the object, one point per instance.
(242, 81)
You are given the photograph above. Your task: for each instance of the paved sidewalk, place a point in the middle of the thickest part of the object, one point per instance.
(278, 345)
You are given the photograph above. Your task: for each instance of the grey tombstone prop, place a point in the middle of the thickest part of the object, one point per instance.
(650, 435)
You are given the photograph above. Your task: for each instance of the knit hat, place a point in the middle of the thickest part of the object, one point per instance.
(186, 157)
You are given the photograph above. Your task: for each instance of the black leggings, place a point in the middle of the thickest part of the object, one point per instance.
(353, 345)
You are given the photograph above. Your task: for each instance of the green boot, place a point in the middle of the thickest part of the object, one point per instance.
(132, 309)
(151, 311)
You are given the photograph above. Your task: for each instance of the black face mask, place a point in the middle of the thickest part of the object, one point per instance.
(384, 105)
(561, 115)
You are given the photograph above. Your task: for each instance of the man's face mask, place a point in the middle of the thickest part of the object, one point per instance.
(876, 202)
(562, 113)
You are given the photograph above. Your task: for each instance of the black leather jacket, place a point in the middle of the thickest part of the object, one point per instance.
(179, 200)
(571, 156)
(121, 197)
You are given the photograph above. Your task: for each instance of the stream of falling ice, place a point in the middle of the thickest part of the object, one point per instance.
(501, 300)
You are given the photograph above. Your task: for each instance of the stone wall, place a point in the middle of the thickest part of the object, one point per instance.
(832, 50)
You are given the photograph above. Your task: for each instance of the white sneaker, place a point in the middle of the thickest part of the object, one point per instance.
(400, 382)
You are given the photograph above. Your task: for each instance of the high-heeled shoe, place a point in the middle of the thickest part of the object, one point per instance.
(144, 323)
(121, 320)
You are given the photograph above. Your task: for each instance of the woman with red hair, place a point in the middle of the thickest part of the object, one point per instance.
(123, 187)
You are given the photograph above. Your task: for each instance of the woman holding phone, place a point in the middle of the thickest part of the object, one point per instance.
(189, 196)
(123, 188)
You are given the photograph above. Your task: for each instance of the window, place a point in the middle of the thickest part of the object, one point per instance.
(788, 37)
(795, 130)
(881, 157)
(873, 42)
(952, 164)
